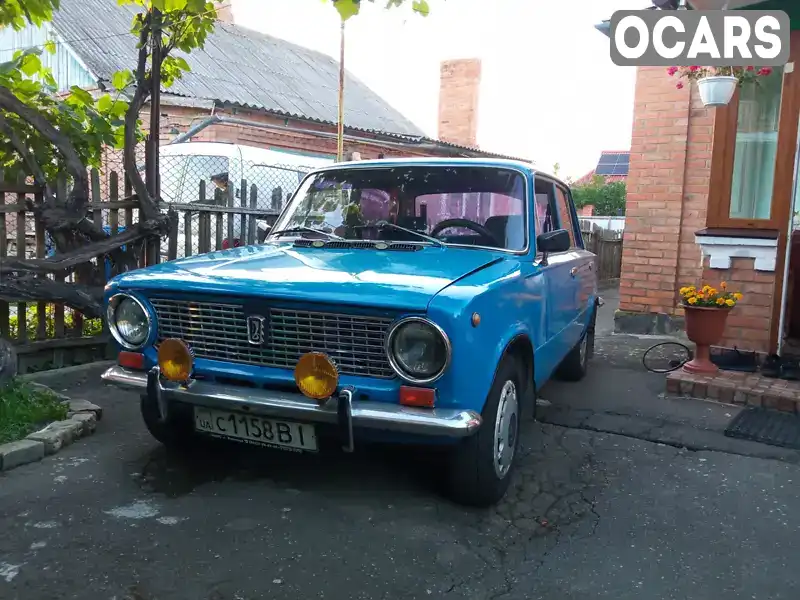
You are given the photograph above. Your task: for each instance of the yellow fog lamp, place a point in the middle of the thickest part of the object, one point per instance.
(175, 359)
(316, 376)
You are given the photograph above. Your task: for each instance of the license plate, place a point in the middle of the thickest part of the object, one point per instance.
(252, 429)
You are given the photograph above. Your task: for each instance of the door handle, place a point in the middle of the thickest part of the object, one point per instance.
(573, 271)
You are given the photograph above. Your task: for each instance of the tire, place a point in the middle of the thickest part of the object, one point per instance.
(476, 477)
(176, 432)
(576, 363)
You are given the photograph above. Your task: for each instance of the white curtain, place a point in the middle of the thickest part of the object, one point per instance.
(756, 148)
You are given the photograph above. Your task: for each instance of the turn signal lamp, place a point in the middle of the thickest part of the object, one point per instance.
(175, 359)
(316, 376)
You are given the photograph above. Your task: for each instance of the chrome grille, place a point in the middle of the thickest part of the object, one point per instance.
(218, 331)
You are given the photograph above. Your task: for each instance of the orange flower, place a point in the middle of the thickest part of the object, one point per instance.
(720, 301)
(738, 296)
(723, 285)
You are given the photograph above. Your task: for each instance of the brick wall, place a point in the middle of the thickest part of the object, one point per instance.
(667, 202)
(749, 323)
(224, 10)
(655, 190)
(458, 101)
(175, 118)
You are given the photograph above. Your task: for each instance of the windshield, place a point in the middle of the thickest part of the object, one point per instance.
(474, 206)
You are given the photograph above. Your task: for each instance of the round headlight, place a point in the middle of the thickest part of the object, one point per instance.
(128, 321)
(418, 350)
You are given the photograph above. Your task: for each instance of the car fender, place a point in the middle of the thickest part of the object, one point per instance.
(500, 295)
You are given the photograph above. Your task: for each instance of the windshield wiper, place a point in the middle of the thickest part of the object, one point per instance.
(388, 225)
(332, 236)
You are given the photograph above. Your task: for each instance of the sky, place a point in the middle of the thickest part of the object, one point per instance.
(549, 91)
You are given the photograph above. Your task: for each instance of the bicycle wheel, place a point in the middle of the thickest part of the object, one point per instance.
(666, 357)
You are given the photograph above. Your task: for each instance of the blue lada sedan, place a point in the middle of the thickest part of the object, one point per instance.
(420, 301)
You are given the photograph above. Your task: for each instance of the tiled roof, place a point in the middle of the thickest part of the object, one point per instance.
(237, 66)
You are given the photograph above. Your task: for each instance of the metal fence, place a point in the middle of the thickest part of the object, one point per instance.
(222, 202)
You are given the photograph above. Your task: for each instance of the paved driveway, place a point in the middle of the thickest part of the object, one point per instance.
(595, 512)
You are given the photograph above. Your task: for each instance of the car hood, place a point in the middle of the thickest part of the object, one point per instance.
(367, 277)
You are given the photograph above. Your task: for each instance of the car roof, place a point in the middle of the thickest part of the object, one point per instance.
(445, 162)
(247, 153)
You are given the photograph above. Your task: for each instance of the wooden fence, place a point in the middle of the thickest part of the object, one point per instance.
(607, 245)
(205, 225)
(63, 335)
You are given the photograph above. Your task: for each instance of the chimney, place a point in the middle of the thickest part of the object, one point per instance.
(224, 10)
(460, 84)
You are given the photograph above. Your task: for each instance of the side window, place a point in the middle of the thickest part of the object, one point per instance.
(565, 215)
(545, 206)
(211, 169)
(171, 170)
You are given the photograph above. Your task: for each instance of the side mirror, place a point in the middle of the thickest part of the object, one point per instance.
(552, 241)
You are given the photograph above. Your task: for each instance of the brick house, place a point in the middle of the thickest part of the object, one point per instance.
(710, 197)
(268, 92)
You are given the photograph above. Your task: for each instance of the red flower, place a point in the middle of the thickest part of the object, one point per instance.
(694, 68)
(751, 68)
(764, 71)
(679, 85)
(672, 71)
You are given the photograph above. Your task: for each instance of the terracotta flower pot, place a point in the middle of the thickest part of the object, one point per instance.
(704, 326)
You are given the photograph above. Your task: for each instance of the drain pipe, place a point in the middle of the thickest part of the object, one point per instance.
(218, 119)
(788, 252)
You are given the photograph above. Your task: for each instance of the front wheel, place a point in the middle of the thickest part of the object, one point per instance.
(175, 433)
(481, 466)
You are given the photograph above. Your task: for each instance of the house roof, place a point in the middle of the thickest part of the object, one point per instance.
(612, 166)
(237, 66)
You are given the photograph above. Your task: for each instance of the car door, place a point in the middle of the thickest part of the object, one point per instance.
(581, 267)
(558, 282)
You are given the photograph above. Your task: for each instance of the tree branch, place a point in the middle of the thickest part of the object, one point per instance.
(147, 205)
(29, 288)
(36, 171)
(72, 161)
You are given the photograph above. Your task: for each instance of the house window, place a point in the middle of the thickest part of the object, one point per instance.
(756, 145)
(750, 161)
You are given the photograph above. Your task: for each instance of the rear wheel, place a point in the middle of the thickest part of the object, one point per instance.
(576, 363)
(481, 466)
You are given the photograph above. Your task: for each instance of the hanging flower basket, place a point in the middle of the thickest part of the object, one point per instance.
(717, 90)
(706, 313)
(718, 84)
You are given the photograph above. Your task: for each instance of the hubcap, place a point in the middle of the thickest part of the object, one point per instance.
(505, 429)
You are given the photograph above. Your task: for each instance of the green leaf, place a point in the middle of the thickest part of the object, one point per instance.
(172, 5)
(50, 46)
(104, 103)
(121, 79)
(347, 8)
(30, 65)
(81, 95)
(421, 6)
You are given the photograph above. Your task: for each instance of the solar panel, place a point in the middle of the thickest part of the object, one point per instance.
(613, 163)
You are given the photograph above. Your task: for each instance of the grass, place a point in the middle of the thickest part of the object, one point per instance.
(24, 409)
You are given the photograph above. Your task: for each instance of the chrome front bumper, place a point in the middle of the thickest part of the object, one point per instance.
(342, 410)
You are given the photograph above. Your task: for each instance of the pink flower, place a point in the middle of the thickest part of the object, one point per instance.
(751, 68)
(764, 71)
(679, 85)
(672, 71)
(694, 68)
